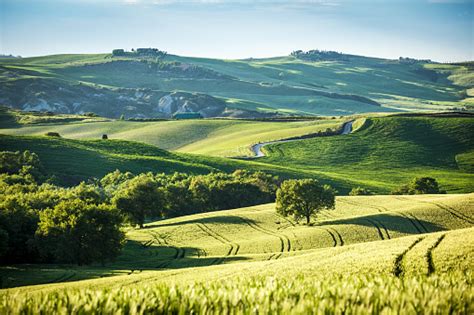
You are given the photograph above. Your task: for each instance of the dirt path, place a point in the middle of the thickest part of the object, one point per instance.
(257, 148)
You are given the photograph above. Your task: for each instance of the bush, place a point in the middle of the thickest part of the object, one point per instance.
(52, 134)
(419, 185)
(21, 163)
(360, 191)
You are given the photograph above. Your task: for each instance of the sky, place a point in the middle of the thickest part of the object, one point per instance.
(441, 30)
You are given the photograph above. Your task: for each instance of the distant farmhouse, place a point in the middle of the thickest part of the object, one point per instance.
(187, 115)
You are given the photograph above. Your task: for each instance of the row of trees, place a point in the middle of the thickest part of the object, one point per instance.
(41, 222)
(161, 196)
(139, 52)
(319, 55)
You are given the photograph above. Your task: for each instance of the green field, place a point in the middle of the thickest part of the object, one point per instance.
(381, 153)
(411, 253)
(216, 137)
(111, 86)
(389, 150)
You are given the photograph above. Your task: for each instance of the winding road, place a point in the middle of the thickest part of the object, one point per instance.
(257, 148)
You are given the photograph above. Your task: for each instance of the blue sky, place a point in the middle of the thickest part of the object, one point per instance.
(441, 30)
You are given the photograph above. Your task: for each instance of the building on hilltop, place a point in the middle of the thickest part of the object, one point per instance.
(187, 115)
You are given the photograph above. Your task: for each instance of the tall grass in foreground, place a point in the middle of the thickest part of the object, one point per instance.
(447, 293)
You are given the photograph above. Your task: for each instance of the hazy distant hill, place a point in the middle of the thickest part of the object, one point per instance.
(159, 85)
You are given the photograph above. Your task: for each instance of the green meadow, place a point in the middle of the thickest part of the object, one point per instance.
(382, 151)
(215, 137)
(385, 253)
(285, 85)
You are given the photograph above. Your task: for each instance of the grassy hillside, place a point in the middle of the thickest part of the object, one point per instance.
(387, 151)
(364, 242)
(209, 137)
(216, 238)
(381, 153)
(75, 160)
(111, 86)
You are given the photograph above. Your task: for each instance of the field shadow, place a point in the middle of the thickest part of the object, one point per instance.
(135, 259)
(391, 222)
(222, 219)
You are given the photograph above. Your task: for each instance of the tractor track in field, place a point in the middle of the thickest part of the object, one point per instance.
(383, 227)
(180, 253)
(341, 241)
(233, 247)
(335, 235)
(380, 209)
(429, 254)
(332, 236)
(285, 243)
(398, 269)
(412, 221)
(379, 231)
(446, 208)
(418, 221)
(454, 212)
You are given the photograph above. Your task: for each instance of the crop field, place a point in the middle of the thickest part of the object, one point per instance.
(384, 253)
(213, 137)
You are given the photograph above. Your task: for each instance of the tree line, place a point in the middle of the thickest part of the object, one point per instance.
(83, 224)
(43, 222)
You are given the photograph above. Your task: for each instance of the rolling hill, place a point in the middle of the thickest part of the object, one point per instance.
(149, 86)
(381, 153)
(216, 137)
(389, 150)
(411, 244)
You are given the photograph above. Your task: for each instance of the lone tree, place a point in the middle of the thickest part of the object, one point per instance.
(304, 198)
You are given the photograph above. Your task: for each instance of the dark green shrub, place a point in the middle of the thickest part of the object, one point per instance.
(360, 191)
(53, 134)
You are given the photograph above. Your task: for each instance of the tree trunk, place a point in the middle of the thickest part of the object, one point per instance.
(308, 218)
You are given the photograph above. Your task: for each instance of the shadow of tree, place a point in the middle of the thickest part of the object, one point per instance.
(136, 258)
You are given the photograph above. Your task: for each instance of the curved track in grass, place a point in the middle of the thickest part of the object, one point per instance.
(257, 148)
